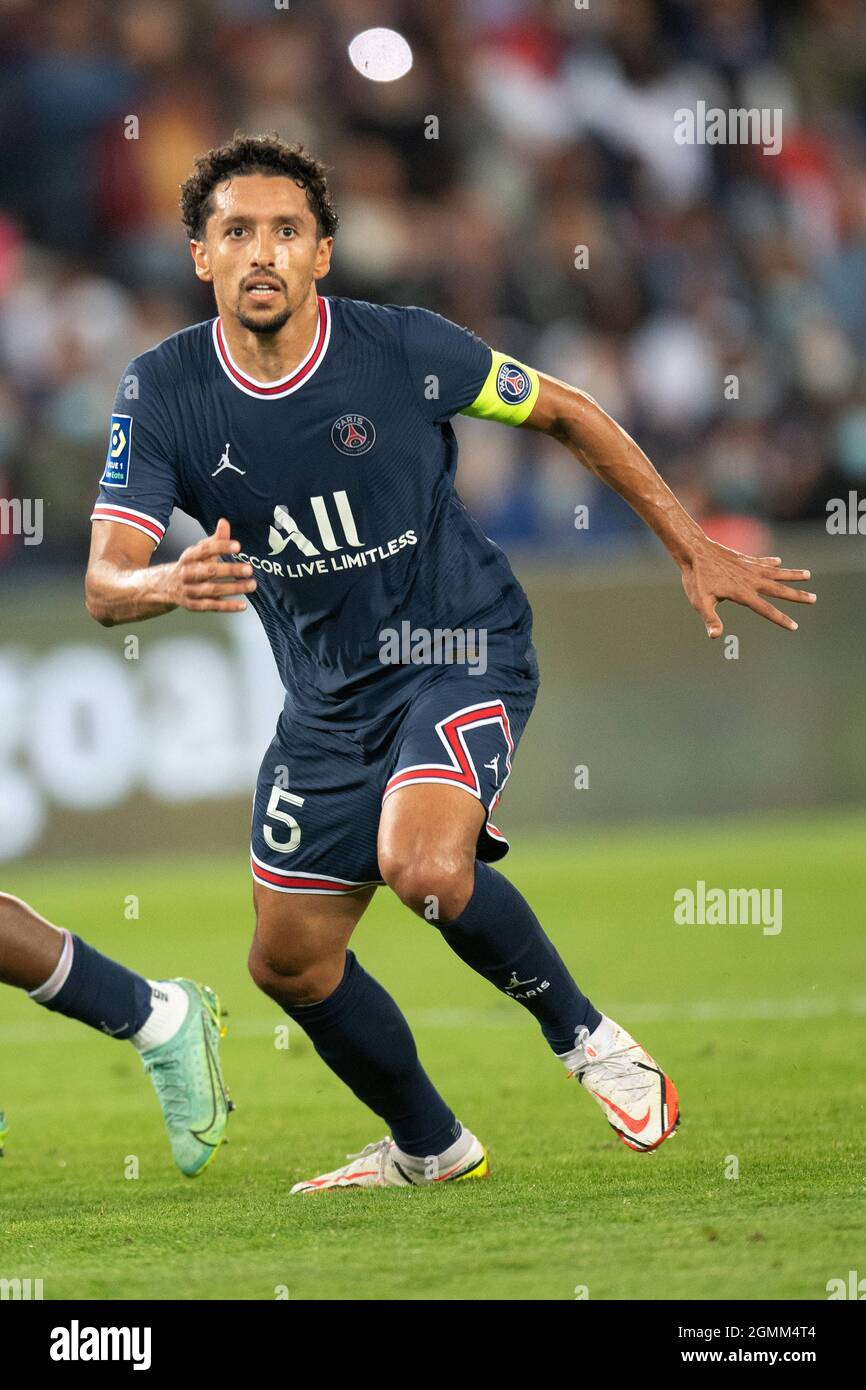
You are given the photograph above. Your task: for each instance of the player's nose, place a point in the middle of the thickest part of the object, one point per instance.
(263, 252)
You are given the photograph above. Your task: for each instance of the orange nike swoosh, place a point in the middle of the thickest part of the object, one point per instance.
(634, 1125)
(362, 1173)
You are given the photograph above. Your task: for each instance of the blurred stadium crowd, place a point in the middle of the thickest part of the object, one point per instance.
(555, 131)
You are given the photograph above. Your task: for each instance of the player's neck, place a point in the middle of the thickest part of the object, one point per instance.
(273, 356)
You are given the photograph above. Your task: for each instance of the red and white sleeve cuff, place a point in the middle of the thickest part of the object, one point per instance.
(128, 516)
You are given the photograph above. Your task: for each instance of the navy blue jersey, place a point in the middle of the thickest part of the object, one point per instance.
(338, 481)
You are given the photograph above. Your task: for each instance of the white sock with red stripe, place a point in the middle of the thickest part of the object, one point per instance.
(436, 1165)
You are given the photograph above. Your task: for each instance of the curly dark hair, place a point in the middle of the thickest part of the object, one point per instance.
(255, 154)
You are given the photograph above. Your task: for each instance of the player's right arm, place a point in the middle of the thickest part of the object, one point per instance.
(140, 487)
(122, 586)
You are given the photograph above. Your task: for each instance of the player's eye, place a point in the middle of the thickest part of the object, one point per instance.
(232, 230)
(289, 229)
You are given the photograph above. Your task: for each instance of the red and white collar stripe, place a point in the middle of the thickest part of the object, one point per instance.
(128, 516)
(275, 390)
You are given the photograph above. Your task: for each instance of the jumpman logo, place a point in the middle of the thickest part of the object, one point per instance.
(494, 768)
(225, 463)
(514, 983)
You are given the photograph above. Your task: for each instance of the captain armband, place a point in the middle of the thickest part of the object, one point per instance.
(508, 394)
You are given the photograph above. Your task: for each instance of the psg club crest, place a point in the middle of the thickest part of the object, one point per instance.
(353, 434)
(512, 383)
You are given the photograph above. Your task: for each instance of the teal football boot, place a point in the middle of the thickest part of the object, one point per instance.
(4, 1130)
(188, 1080)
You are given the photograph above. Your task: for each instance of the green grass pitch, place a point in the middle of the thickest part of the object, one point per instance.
(764, 1036)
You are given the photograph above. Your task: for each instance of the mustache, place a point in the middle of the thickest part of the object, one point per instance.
(267, 279)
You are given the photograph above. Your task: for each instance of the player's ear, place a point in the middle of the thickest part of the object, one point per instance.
(198, 251)
(323, 257)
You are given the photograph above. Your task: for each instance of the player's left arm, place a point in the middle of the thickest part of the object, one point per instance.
(710, 572)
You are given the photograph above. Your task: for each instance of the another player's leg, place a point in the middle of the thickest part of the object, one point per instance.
(299, 957)
(173, 1024)
(428, 838)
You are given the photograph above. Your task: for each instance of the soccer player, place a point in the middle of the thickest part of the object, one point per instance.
(174, 1025)
(310, 437)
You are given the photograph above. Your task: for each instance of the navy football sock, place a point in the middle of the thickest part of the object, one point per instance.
(499, 935)
(98, 991)
(364, 1038)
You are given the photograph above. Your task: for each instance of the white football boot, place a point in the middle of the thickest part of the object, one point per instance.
(639, 1101)
(378, 1165)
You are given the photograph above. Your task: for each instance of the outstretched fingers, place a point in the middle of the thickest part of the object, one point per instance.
(785, 591)
(766, 610)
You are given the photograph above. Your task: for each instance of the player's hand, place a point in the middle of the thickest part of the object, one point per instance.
(713, 573)
(204, 583)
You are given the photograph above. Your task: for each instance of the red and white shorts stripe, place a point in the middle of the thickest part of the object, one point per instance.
(460, 770)
(284, 881)
(470, 747)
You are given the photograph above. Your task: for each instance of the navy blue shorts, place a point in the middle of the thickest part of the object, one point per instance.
(319, 793)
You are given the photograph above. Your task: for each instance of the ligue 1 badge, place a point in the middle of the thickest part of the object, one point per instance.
(119, 447)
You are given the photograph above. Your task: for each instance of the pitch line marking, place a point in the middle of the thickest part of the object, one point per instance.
(697, 1011)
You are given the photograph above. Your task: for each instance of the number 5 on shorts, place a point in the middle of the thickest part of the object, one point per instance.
(286, 818)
